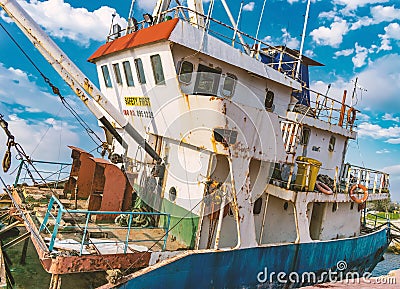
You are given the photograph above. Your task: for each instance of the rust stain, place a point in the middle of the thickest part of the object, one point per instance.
(87, 86)
(214, 144)
(186, 98)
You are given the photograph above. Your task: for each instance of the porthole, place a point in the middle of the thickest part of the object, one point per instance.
(332, 143)
(172, 194)
(269, 100)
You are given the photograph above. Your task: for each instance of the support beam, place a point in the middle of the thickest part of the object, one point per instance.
(24, 250)
(17, 240)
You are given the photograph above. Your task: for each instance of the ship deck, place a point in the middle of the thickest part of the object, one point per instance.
(69, 238)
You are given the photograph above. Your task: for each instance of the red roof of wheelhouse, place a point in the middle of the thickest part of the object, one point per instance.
(144, 36)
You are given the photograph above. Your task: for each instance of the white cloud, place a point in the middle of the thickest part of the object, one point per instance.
(249, 6)
(392, 31)
(363, 21)
(61, 20)
(363, 116)
(375, 131)
(149, 4)
(382, 88)
(351, 5)
(385, 13)
(331, 36)
(29, 134)
(303, 1)
(393, 170)
(383, 151)
(345, 52)
(390, 117)
(393, 141)
(359, 60)
(291, 42)
(16, 88)
(286, 39)
(328, 15)
(309, 53)
(379, 14)
(4, 16)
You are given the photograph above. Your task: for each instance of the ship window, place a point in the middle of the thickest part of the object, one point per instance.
(269, 100)
(157, 69)
(186, 71)
(172, 194)
(140, 71)
(305, 136)
(117, 73)
(332, 143)
(106, 75)
(128, 73)
(257, 206)
(229, 85)
(207, 81)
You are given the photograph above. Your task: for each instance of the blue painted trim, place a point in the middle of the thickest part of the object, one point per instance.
(239, 268)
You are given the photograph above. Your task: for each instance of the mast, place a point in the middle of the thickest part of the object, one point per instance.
(90, 95)
(230, 16)
(303, 37)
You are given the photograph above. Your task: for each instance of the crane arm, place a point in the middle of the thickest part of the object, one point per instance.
(90, 95)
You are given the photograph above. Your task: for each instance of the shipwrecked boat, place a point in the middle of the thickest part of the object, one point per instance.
(223, 165)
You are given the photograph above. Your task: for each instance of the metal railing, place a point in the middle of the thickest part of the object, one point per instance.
(221, 31)
(56, 212)
(327, 109)
(375, 181)
(34, 172)
(373, 220)
(291, 135)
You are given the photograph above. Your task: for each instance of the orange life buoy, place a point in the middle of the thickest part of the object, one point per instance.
(323, 188)
(352, 193)
(351, 116)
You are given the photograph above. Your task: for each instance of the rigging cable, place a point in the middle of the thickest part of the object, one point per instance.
(95, 138)
(24, 157)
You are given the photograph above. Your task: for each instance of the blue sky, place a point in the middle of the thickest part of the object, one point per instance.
(353, 38)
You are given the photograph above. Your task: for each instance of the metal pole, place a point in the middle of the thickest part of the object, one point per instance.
(259, 23)
(237, 24)
(228, 11)
(302, 39)
(73, 76)
(131, 9)
(220, 218)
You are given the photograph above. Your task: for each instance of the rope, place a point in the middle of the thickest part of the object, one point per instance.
(24, 156)
(56, 91)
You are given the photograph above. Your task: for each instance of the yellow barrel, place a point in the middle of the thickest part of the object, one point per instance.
(301, 179)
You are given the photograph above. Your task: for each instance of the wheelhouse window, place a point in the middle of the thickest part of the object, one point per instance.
(157, 69)
(128, 73)
(117, 73)
(207, 80)
(140, 71)
(186, 72)
(106, 76)
(229, 85)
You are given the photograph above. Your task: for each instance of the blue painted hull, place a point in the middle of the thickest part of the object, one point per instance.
(241, 268)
